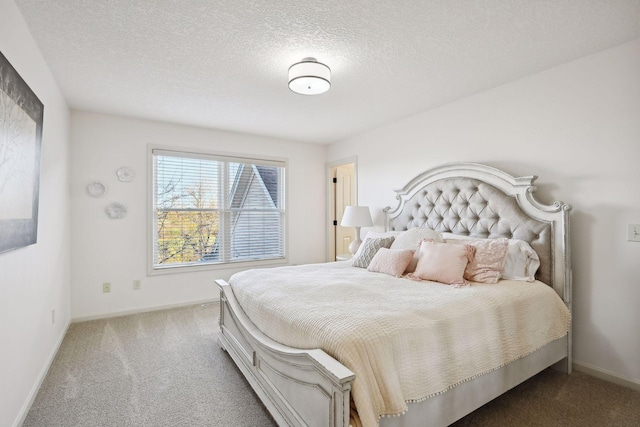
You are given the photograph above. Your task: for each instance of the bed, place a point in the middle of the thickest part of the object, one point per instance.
(301, 385)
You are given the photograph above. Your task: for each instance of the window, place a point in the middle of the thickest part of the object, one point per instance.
(211, 210)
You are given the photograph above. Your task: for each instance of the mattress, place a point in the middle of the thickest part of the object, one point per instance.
(405, 340)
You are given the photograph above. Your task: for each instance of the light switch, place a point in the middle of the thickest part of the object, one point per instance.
(633, 234)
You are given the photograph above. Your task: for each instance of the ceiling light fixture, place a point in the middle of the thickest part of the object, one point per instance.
(309, 77)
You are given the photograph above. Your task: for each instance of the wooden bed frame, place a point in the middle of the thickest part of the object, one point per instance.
(310, 388)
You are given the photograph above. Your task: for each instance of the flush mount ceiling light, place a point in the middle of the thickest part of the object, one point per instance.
(309, 77)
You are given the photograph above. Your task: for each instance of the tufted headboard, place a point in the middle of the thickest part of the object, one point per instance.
(476, 200)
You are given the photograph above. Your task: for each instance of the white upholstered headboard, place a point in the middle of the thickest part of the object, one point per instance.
(476, 200)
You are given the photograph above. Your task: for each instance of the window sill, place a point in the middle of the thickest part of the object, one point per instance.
(239, 265)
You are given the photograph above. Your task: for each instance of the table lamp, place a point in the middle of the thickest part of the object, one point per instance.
(356, 216)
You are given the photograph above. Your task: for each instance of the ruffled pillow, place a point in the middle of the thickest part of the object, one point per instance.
(443, 262)
(488, 262)
(391, 261)
(521, 261)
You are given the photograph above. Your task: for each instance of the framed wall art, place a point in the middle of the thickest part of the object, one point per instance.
(21, 116)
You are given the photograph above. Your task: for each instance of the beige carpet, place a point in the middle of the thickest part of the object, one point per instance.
(164, 368)
(554, 399)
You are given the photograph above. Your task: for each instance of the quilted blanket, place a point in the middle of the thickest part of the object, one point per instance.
(405, 340)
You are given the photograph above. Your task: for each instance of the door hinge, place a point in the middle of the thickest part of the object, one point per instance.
(335, 180)
(335, 222)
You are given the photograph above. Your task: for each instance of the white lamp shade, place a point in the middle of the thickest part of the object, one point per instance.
(309, 77)
(356, 216)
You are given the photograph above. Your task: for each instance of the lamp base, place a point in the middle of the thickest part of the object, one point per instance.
(353, 246)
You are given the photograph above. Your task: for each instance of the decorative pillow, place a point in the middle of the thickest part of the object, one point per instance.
(521, 261)
(391, 261)
(443, 262)
(375, 235)
(368, 249)
(411, 239)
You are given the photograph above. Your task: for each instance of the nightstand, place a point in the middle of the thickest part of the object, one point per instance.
(343, 257)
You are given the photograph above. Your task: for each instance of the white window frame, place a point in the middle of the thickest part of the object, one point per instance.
(152, 268)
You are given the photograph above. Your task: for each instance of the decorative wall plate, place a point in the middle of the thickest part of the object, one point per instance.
(126, 174)
(96, 189)
(116, 211)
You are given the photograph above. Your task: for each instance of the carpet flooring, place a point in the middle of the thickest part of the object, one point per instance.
(162, 368)
(165, 368)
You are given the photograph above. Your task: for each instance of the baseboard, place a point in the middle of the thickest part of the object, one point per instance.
(142, 310)
(603, 374)
(43, 374)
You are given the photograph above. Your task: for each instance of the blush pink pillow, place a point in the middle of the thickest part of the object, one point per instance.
(443, 262)
(391, 261)
(411, 239)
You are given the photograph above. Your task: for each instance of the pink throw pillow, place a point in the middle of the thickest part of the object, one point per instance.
(391, 261)
(411, 239)
(443, 262)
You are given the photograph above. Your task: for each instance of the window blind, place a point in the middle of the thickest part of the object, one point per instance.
(210, 209)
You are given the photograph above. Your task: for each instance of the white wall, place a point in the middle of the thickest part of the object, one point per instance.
(106, 250)
(577, 127)
(35, 280)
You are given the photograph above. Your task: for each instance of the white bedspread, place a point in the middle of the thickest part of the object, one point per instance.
(404, 340)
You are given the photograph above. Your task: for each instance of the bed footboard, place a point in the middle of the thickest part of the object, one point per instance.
(298, 387)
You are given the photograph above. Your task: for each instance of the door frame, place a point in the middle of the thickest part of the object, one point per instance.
(330, 167)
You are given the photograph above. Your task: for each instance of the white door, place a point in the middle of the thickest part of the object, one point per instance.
(344, 196)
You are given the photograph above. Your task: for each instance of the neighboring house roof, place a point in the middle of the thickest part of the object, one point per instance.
(244, 185)
(269, 177)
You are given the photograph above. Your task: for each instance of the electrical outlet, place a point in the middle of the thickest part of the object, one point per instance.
(137, 285)
(106, 287)
(633, 233)
(53, 316)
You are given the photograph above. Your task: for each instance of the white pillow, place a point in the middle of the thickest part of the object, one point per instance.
(521, 261)
(411, 239)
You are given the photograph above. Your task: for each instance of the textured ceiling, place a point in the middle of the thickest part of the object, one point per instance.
(223, 64)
